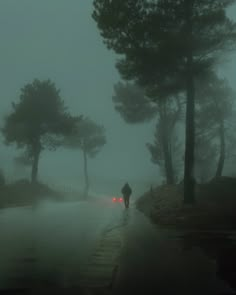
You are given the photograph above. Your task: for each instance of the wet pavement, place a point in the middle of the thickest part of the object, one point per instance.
(169, 262)
(98, 247)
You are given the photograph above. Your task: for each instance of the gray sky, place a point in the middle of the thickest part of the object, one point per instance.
(58, 39)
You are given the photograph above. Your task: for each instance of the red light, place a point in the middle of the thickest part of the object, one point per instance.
(113, 199)
(120, 199)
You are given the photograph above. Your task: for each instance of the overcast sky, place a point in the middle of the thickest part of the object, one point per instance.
(58, 39)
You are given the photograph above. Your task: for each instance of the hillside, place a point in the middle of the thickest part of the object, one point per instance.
(23, 193)
(215, 206)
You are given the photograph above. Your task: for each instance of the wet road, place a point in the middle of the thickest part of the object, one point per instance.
(100, 245)
(171, 262)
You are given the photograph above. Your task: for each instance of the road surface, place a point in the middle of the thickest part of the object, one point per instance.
(98, 247)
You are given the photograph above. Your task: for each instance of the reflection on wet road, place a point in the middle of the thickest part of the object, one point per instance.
(102, 244)
(48, 243)
(155, 258)
(120, 222)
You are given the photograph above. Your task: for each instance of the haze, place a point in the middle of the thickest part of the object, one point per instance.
(59, 40)
(47, 236)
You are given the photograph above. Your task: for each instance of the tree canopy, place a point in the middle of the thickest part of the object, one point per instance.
(87, 135)
(133, 104)
(165, 45)
(37, 120)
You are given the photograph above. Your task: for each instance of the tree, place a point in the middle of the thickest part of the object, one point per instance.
(89, 137)
(133, 104)
(159, 41)
(136, 106)
(231, 148)
(23, 159)
(167, 157)
(206, 157)
(231, 144)
(215, 102)
(37, 121)
(2, 179)
(168, 115)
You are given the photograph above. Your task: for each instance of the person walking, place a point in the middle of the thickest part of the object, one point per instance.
(126, 191)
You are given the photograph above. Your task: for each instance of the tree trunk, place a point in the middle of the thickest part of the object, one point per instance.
(189, 182)
(165, 135)
(34, 171)
(86, 189)
(221, 161)
(168, 165)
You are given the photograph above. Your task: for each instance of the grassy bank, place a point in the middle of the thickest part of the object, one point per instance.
(24, 193)
(215, 206)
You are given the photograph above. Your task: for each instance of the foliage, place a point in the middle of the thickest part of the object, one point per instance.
(88, 136)
(133, 104)
(39, 113)
(167, 126)
(206, 158)
(214, 102)
(214, 99)
(37, 121)
(231, 145)
(164, 42)
(152, 37)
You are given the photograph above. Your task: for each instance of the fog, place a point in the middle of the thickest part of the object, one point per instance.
(59, 40)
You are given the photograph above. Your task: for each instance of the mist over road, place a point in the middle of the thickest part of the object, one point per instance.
(52, 239)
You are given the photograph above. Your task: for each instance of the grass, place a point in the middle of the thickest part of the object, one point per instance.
(215, 206)
(24, 193)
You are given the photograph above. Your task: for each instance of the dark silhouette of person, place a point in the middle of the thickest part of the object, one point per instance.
(126, 191)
